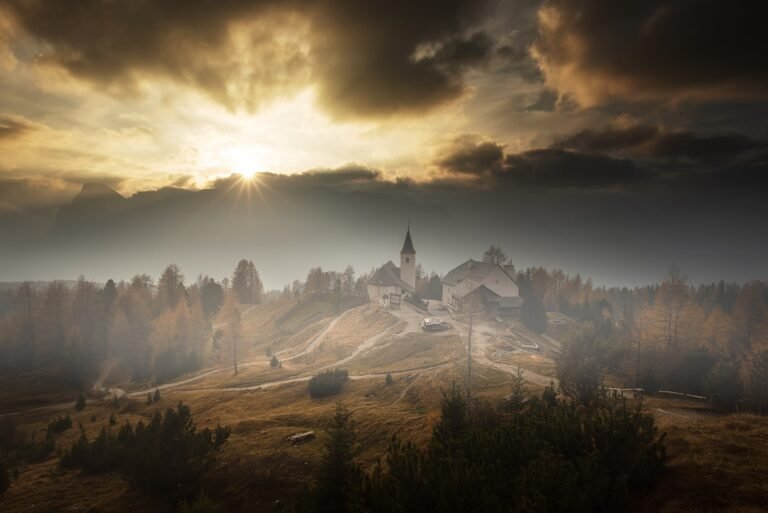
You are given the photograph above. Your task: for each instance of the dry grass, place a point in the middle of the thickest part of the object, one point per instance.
(410, 351)
(717, 462)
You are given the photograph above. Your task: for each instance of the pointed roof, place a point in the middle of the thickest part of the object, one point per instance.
(408, 244)
(388, 275)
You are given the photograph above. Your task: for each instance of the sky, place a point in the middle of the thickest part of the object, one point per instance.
(608, 138)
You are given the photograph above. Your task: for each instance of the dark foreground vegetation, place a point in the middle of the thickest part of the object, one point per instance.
(542, 454)
(168, 454)
(328, 383)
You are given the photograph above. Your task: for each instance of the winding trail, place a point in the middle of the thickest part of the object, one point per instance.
(410, 316)
(481, 345)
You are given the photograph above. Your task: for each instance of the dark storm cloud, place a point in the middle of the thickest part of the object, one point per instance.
(363, 56)
(652, 141)
(12, 127)
(654, 49)
(608, 139)
(553, 168)
(485, 163)
(471, 156)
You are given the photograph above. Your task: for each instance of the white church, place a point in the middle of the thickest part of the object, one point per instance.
(481, 286)
(390, 284)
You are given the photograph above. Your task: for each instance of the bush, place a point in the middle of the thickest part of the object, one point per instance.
(112, 419)
(201, 504)
(274, 362)
(581, 364)
(758, 382)
(167, 454)
(156, 396)
(59, 425)
(5, 477)
(80, 403)
(328, 383)
(388, 379)
(723, 385)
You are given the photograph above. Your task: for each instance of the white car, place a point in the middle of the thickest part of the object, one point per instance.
(434, 324)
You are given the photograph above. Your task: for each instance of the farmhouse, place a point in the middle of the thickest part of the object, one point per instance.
(390, 284)
(482, 286)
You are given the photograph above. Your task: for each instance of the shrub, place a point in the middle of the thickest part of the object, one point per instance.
(112, 419)
(156, 396)
(274, 362)
(328, 383)
(80, 403)
(59, 425)
(201, 504)
(166, 454)
(723, 385)
(581, 364)
(388, 379)
(5, 477)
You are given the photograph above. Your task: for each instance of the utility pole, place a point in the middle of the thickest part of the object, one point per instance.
(469, 350)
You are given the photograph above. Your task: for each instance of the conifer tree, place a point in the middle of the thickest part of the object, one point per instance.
(339, 481)
(80, 403)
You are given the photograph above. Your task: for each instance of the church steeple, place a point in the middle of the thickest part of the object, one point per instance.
(408, 261)
(408, 244)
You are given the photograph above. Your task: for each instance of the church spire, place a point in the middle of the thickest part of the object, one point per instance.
(408, 244)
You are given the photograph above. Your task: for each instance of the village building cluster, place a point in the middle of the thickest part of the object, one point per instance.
(480, 286)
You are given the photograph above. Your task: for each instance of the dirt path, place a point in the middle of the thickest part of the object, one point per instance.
(299, 379)
(481, 334)
(314, 342)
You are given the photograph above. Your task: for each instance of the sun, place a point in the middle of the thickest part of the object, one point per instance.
(243, 160)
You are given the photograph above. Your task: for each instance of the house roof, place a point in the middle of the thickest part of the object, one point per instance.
(408, 244)
(388, 275)
(473, 270)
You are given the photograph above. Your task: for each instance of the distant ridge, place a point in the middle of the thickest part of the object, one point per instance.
(96, 191)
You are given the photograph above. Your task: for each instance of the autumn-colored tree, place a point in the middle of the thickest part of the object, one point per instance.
(246, 283)
(170, 288)
(230, 318)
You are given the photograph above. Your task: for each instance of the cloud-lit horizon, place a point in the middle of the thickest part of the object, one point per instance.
(605, 140)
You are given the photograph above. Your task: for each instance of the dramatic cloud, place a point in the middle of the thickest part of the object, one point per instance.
(652, 141)
(551, 168)
(366, 59)
(486, 164)
(655, 50)
(12, 127)
(470, 155)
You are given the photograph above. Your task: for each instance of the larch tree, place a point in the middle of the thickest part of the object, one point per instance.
(495, 255)
(170, 288)
(230, 318)
(670, 304)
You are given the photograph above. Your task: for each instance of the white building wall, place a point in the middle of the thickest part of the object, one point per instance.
(408, 269)
(500, 282)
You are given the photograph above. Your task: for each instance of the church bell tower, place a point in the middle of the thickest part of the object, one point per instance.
(408, 261)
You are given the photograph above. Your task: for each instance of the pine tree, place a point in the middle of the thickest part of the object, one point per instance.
(339, 480)
(80, 403)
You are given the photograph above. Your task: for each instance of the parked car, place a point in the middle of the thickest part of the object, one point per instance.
(434, 324)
